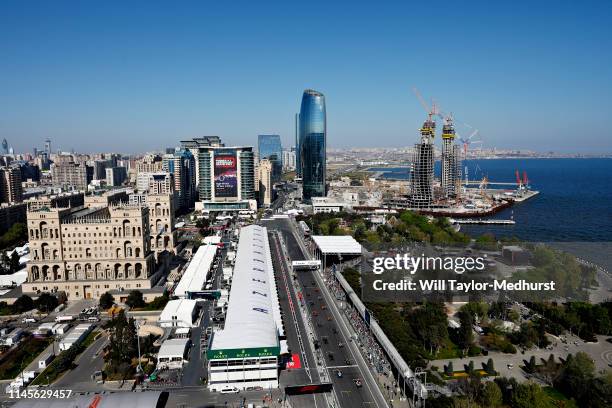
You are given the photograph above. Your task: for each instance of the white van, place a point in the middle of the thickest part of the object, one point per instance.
(229, 390)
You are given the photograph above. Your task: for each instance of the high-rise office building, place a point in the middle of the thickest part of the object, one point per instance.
(226, 175)
(298, 162)
(115, 176)
(313, 135)
(289, 159)
(269, 148)
(422, 169)
(99, 169)
(451, 161)
(193, 146)
(182, 166)
(10, 184)
(264, 172)
(68, 174)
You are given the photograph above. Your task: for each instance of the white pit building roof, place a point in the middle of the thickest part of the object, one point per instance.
(197, 271)
(178, 313)
(253, 321)
(173, 348)
(337, 244)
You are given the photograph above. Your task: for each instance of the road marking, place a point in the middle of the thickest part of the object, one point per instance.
(341, 366)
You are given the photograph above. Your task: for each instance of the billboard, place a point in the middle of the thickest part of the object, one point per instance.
(226, 173)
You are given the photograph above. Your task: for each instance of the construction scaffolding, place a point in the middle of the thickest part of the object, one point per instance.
(451, 162)
(422, 168)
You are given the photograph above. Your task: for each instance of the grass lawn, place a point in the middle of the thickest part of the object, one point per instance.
(559, 399)
(19, 358)
(450, 350)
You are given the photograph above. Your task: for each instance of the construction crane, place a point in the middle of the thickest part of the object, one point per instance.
(431, 110)
(467, 141)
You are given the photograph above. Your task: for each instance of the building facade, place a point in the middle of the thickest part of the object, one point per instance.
(289, 163)
(151, 163)
(226, 177)
(312, 145)
(115, 176)
(155, 183)
(182, 166)
(161, 218)
(88, 251)
(269, 148)
(10, 184)
(264, 171)
(422, 169)
(451, 162)
(194, 146)
(68, 174)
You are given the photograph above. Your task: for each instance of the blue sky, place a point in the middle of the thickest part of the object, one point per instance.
(138, 76)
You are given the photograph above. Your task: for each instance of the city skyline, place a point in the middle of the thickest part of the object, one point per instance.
(134, 78)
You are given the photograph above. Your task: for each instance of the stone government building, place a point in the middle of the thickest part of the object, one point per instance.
(86, 251)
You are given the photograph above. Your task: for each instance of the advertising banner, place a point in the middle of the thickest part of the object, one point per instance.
(226, 177)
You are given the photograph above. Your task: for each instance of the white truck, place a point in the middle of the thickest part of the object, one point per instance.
(64, 318)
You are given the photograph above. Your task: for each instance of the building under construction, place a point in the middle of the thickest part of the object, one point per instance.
(422, 169)
(450, 179)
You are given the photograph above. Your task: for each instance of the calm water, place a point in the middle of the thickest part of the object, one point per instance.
(574, 204)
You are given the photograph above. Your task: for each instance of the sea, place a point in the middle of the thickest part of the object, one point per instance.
(573, 209)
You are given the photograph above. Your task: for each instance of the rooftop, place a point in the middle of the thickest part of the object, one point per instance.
(196, 273)
(253, 319)
(337, 244)
(173, 347)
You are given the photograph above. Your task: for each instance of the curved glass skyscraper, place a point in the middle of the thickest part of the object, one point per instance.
(312, 143)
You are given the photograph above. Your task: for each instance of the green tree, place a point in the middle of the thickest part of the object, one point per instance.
(16, 234)
(448, 369)
(465, 333)
(529, 395)
(23, 304)
(14, 262)
(135, 299)
(122, 347)
(491, 395)
(106, 300)
(577, 375)
(46, 302)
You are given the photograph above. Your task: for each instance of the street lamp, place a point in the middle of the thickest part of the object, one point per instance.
(137, 324)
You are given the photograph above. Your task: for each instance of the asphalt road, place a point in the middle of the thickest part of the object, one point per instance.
(336, 357)
(294, 328)
(88, 362)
